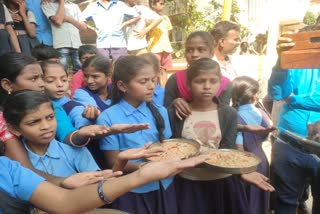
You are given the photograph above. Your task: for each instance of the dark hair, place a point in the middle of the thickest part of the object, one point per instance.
(44, 52)
(45, 64)
(126, 68)
(204, 35)
(152, 59)
(87, 49)
(221, 29)
(99, 63)
(244, 89)
(153, 2)
(200, 66)
(20, 103)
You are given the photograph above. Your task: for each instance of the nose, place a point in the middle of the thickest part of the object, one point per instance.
(41, 84)
(89, 80)
(44, 125)
(59, 83)
(207, 85)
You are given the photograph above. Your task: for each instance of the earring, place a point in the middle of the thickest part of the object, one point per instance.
(9, 92)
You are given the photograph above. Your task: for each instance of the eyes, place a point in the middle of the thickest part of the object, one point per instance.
(199, 49)
(34, 122)
(35, 78)
(147, 80)
(52, 80)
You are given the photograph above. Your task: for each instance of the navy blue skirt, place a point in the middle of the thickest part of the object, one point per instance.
(223, 196)
(156, 202)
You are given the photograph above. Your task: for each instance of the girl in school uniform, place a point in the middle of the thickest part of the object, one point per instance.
(24, 23)
(56, 87)
(134, 81)
(244, 97)
(214, 126)
(97, 75)
(8, 38)
(158, 96)
(30, 115)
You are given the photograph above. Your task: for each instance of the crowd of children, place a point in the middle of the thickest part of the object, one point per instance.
(113, 107)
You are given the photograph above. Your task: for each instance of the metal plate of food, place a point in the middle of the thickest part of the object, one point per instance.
(201, 173)
(232, 161)
(176, 148)
(309, 145)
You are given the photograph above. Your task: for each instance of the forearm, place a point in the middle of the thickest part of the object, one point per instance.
(79, 25)
(310, 102)
(130, 22)
(30, 28)
(58, 200)
(153, 25)
(13, 38)
(131, 167)
(77, 139)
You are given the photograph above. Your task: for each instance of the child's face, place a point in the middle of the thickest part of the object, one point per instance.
(196, 49)
(29, 78)
(141, 87)
(86, 56)
(205, 86)
(55, 82)
(96, 80)
(158, 7)
(38, 126)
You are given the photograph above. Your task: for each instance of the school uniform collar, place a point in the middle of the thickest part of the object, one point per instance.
(62, 100)
(129, 109)
(246, 107)
(53, 151)
(112, 2)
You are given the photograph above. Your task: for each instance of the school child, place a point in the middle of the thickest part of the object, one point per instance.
(8, 38)
(44, 52)
(244, 97)
(85, 52)
(56, 87)
(65, 32)
(214, 126)
(24, 24)
(134, 81)
(30, 115)
(158, 38)
(97, 73)
(158, 96)
(199, 44)
(136, 33)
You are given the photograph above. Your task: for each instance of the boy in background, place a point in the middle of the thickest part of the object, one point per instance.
(65, 30)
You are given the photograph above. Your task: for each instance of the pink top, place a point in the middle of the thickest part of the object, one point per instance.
(5, 135)
(77, 81)
(184, 90)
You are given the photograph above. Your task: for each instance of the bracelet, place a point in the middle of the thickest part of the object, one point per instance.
(101, 194)
(76, 145)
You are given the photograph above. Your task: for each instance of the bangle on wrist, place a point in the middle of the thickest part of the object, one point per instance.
(101, 194)
(77, 145)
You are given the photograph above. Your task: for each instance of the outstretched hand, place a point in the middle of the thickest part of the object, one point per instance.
(258, 180)
(86, 178)
(259, 130)
(127, 128)
(137, 153)
(154, 171)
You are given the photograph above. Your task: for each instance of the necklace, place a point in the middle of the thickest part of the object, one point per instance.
(46, 167)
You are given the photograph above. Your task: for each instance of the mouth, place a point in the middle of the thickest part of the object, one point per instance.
(60, 93)
(207, 94)
(48, 135)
